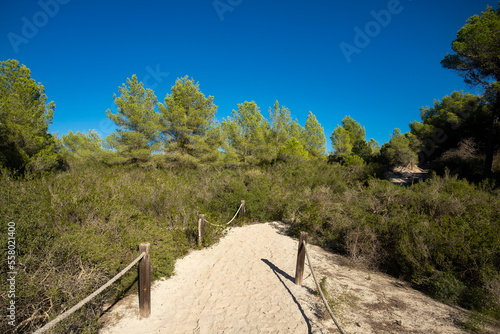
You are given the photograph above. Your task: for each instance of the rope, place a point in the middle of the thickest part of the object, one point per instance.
(86, 300)
(206, 221)
(235, 215)
(321, 292)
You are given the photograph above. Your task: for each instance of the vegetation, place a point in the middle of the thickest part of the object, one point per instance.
(82, 204)
(80, 227)
(349, 140)
(25, 116)
(401, 149)
(187, 122)
(137, 120)
(476, 59)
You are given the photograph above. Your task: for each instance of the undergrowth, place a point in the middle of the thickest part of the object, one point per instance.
(77, 229)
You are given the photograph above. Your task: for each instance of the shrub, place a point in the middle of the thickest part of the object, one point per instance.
(78, 228)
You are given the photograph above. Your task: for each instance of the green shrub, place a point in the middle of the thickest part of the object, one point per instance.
(78, 228)
(444, 287)
(442, 234)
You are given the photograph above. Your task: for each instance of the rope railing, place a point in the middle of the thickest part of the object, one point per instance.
(145, 282)
(144, 255)
(302, 253)
(202, 221)
(144, 276)
(229, 222)
(321, 291)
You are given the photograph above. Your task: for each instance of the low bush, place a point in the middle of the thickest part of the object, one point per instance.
(443, 235)
(78, 228)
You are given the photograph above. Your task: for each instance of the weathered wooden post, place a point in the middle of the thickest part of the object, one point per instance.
(301, 255)
(242, 211)
(144, 281)
(201, 230)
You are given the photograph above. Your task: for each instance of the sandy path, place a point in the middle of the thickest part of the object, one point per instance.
(244, 284)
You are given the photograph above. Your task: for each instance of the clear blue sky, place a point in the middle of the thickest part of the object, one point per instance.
(242, 50)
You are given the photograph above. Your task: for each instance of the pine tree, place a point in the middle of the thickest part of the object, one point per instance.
(400, 150)
(82, 145)
(246, 132)
(25, 117)
(188, 121)
(349, 138)
(477, 61)
(341, 142)
(137, 120)
(314, 136)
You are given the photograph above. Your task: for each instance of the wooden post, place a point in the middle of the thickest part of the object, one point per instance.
(301, 255)
(201, 230)
(242, 211)
(144, 282)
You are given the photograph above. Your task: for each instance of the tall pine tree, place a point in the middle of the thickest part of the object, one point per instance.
(314, 136)
(188, 121)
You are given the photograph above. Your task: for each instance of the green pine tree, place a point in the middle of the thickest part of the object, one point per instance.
(25, 117)
(476, 59)
(188, 123)
(246, 132)
(314, 137)
(137, 120)
(82, 145)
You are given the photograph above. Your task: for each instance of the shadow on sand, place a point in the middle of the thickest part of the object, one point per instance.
(280, 273)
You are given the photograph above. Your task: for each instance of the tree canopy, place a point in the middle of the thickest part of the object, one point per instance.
(401, 149)
(245, 133)
(477, 52)
(477, 49)
(455, 118)
(137, 120)
(188, 120)
(25, 117)
(349, 138)
(314, 136)
(82, 145)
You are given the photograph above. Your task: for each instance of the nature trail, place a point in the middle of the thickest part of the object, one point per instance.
(245, 284)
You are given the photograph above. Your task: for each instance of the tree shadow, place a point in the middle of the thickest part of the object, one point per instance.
(277, 271)
(281, 227)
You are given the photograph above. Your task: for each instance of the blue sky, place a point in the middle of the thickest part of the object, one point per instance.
(308, 55)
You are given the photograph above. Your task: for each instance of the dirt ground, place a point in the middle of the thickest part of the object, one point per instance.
(245, 284)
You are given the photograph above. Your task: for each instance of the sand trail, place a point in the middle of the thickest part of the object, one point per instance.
(245, 284)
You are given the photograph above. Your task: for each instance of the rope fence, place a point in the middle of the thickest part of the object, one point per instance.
(202, 221)
(144, 276)
(229, 222)
(144, 256)
(145, 281)
(302, 253)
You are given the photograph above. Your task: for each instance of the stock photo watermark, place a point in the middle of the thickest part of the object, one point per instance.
(11, 274)
(223, 6)
(156, 74)
(30, 27)
(363, 36)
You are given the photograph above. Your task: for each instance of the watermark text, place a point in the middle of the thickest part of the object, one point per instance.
(30, 27)
(11, 274)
